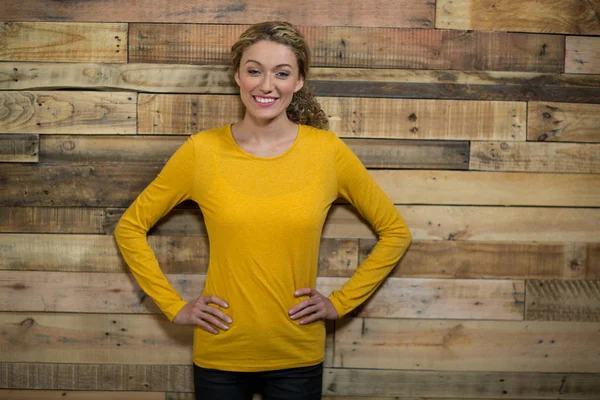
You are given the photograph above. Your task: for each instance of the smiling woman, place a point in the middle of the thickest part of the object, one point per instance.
(264, 185)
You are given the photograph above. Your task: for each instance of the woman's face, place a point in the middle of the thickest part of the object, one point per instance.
(268, 77)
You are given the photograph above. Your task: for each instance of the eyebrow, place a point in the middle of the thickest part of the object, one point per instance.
(277, 66)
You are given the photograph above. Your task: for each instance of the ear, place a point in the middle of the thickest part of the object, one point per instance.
(236, 75)
(299, 84)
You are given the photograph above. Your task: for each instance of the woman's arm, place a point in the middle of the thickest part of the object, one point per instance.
(173, 185)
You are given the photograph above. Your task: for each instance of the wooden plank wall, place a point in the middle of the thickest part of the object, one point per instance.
(481, 120)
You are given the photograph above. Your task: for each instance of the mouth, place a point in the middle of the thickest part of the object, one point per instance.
(264, 101)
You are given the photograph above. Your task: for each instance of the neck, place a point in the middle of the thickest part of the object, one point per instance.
(265, 130)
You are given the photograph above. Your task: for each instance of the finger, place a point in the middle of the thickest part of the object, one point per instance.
(217, 300)
(306, 311)
(312, 318)
(217, 313)
(207, 327)
(305, 303)
(214, 321)
(302, 292)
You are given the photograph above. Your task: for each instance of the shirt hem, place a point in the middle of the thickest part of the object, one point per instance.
(255, 368)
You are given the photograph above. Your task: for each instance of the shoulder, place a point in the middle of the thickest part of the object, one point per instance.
(321, 136)
(208, 135)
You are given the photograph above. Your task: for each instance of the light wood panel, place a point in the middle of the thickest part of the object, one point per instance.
(374, 153)
(406, 13)
(353, 47)
(19, 148)
(63, 42)
(396, 298)
(52, 220)
(582, 54)
(59, 395)
(563, 300)
(531, 346)
(535, 157)
(338, 257)
(364, 82)
(68, 112)
(556, 16)
(564, 122)
(349, 117)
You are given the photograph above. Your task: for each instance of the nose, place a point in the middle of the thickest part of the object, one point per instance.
(266, 84)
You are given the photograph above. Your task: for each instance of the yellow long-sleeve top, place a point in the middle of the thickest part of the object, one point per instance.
(264, 218)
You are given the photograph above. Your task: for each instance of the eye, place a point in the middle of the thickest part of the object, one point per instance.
(253, 72)
(283, 74)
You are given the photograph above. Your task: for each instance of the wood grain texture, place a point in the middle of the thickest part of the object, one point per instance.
(363, 82)
(374, 153)
(529, 346)
(556, 16)
(522, 224)
(34, 291)
(111, 185)
(52, 220)
(563, 122)
(62, 42)
(353, 47)
(349, 117)
(338, 257)
(563, 300)
(405, 13)
(68, 112)
(582, 54)
(337, 382)
(60, 395)
(19, 148)
(535, 157)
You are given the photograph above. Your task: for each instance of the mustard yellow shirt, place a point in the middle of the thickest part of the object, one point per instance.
(264, 218)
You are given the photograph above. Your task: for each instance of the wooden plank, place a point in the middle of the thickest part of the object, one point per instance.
(95, 338)
(406, 13)
(396, 298)
(582, 55)
(353, 47)
(19, 148)
(556, 16)
(59, 395)
(563, 122)
(488, 260)
(528, 346)
(105, 377)
(491, 224)
(362, 82)
(349, 117)
(63, 42)
(535, 157)
(68, 112)
(374, 153)
(338, 257)
(337, 382)
(110, 185)
(51, 220)
(563, 300)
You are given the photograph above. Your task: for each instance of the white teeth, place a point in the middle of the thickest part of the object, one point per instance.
(263, 100)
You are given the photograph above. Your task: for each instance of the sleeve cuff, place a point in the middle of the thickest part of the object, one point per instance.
(174, 309)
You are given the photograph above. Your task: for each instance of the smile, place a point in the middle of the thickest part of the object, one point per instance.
(264, 100)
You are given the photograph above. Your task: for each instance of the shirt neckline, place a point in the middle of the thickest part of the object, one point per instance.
(250, 155)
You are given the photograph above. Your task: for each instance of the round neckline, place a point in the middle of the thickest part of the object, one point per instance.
(247, 154)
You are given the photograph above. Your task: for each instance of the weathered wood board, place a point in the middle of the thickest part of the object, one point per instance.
(456, 345)
(62, 42)
(68, 112)
(564, 122)
(582, 54)
(563, 300)
(556, 16)
(52, 220)
(19, 148)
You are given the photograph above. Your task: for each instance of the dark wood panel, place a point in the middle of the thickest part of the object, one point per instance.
(556, 16)
(568, 300)
(374, 153)
(19, 148)
(353, 47)
(52, 220)
(405, 13)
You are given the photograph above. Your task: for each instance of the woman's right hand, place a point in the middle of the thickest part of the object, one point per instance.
(200, 312)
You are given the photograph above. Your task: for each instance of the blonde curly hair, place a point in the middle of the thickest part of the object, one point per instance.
(304, 108)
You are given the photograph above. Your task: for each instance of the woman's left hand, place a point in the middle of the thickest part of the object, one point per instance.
(316, 307)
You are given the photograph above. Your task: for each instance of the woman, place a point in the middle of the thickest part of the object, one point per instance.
(264, 185)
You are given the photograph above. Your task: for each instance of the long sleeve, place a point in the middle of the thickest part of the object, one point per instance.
(173, 185)
(357, 186)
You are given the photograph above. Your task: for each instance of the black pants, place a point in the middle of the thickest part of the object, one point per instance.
(305, 383)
